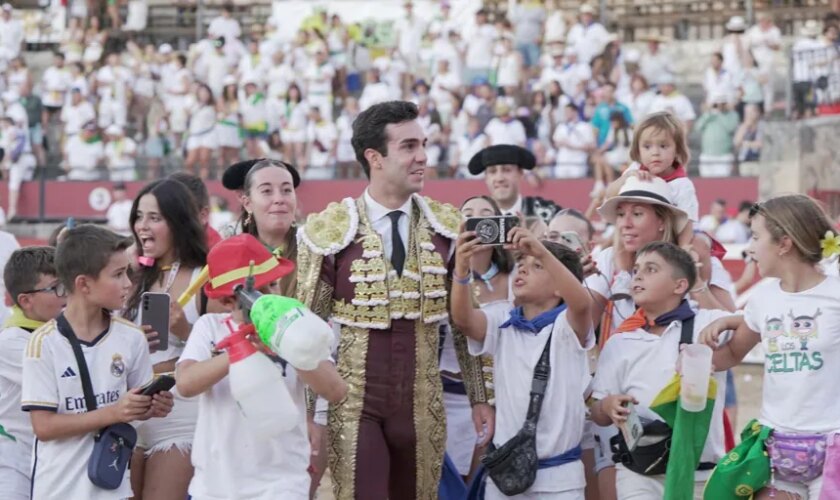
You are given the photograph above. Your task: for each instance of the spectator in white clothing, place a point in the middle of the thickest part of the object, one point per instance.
(119, 211)
(84, 154)
(736, 229)
(574, 140)
(320, 148)
(765, 41)
(505, 128)
(225, 25)
(76, 114)
(479, 55)
(11, 32)
(588, 37)
(654, 61)
(671, 100)
(734, 45)
(718, 80)
(120, 154)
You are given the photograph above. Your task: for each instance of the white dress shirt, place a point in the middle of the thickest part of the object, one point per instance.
(378, 216)
(516, 209)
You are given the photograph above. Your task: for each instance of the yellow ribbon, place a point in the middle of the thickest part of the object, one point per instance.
(243, 272)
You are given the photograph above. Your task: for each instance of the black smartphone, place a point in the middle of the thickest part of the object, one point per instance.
(160, 384)
(492, 230)
(154, 311)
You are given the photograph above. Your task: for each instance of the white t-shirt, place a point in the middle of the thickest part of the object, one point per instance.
(74, 117)
(588, 41)
(675, 103)
(480, 46)
(55, 84)
(14, 454)
(118, 214)
(118, 360)
(83, 158)
(640, 364)
(226, 27)
(515, 354)
(230, 461)
(760, 41)
(578, 134)
(501, 132)
(119, 153)
(8, 244)
(800, 333)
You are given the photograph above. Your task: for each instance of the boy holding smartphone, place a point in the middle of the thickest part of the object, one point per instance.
(92, 265)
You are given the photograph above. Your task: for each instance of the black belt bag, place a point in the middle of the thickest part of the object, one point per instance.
(649, 460)
(513, 466)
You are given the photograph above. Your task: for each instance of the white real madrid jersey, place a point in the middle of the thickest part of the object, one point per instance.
(117, 360)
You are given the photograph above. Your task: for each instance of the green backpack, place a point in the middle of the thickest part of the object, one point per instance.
(743, 471)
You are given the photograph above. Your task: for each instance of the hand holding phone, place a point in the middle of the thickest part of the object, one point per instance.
(493, 230)
(154, 312)
(159, 384)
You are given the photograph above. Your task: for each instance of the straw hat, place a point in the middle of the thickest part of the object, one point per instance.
(652, 192)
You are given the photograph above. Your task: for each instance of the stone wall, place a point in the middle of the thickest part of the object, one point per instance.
(800, 157)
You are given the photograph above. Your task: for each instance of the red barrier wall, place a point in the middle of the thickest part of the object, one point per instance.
(90, 199)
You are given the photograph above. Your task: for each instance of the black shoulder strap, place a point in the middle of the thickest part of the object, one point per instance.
(539, 383)
(84, 375)
(687, 334)
(202, 309)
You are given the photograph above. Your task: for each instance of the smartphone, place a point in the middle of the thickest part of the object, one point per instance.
(632, 429)
(154, 311)
(572, 240)
(492, 230)
(159, 384)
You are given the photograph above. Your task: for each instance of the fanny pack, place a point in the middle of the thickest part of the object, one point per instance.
(651, 459)
(796, 458)
(112, 445)
(513, 466)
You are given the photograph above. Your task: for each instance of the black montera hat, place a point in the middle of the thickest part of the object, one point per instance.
(502, 154)
(234, 176)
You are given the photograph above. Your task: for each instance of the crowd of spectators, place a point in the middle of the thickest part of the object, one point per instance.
(555, 82)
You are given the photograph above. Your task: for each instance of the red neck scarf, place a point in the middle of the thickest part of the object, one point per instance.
(678, 173)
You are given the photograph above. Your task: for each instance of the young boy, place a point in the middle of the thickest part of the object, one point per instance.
(32, 284)
(552, 305)
(636, 365)
(92, 266)
(230, 460)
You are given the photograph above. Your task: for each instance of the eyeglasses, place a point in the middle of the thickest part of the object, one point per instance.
(58, 289)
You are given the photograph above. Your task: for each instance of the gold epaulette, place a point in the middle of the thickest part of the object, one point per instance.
(331, 230)
(444, 218)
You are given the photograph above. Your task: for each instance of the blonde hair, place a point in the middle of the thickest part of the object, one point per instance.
(666, 122)
(670, 234)
(798, 217)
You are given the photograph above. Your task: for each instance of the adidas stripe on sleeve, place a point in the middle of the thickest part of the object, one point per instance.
(39, 389)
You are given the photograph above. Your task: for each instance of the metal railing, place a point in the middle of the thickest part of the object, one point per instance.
(814, 81)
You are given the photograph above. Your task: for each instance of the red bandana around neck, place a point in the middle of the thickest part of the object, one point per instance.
(678, 173)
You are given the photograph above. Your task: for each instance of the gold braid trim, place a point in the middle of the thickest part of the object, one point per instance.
(343, 421)
(429, 414)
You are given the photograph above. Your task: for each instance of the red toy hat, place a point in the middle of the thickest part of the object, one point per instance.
(229, 264)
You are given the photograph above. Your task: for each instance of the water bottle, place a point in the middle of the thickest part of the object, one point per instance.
(258, 388)
(291, 330)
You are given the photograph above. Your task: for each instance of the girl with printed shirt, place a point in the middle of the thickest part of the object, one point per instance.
(796, 316)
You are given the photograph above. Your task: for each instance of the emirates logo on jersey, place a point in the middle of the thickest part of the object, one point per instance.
(117, 365)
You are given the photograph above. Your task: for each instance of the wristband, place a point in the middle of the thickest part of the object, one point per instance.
(462, 281)
(701, 288)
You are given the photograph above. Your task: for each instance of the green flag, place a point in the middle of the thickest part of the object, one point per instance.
(690, 430)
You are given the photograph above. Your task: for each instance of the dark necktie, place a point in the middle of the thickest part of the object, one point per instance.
(398, 250)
